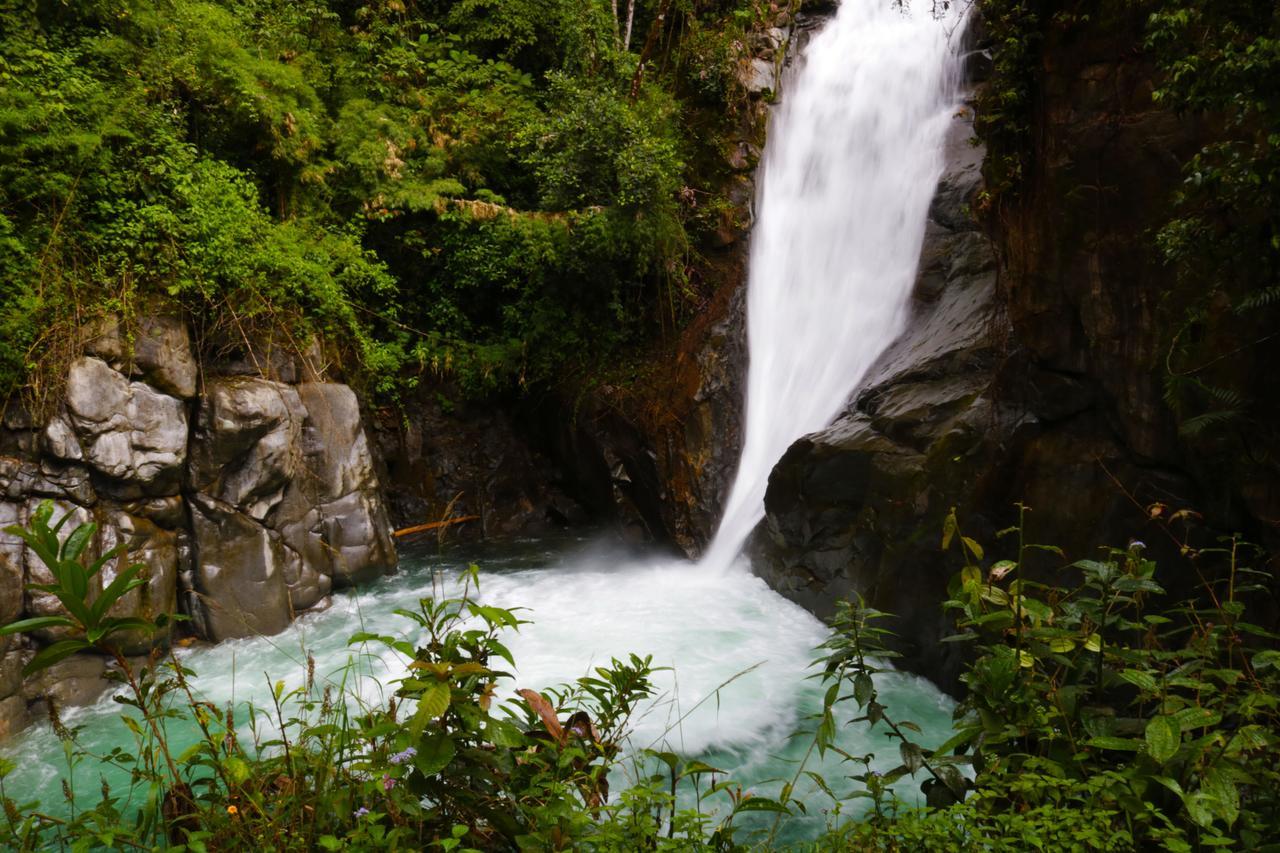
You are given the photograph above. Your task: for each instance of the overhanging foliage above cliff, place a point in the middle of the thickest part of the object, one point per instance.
(281, 165)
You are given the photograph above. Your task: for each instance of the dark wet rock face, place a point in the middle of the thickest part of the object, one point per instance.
(444, 457)
(246, 499)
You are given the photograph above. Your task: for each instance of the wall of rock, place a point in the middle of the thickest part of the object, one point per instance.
(245, 485)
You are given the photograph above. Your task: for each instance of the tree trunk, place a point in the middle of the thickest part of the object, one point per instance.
(631, 17)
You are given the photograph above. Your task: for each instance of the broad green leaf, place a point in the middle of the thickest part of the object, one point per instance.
(1197, 718)
(1000, 569)
(697, 768)
(1061, 645)
(1094, 643)
(974, 548)
(236, 769)
(949, 527)
(433, 702)
(1199, 808)
(503, 734)
(1226, 796)
(1141, 680)
(434, 753)
(862, 688)
(1163, 737)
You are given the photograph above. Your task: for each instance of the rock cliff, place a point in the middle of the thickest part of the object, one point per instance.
(247, 497)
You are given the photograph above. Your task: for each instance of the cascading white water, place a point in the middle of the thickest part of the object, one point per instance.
(853, 159)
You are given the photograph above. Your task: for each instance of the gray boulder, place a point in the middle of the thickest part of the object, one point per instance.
(239, 578)
(127, 431)
(161, 352)
(245, 447)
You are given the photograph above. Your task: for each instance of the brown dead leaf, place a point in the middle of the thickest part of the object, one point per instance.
(543, 709)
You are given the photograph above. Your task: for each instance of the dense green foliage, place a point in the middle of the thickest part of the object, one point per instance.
(486, 188)
(1091, 720)
(1221, 62)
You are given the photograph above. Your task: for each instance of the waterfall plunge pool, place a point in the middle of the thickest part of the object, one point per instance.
(586, 604)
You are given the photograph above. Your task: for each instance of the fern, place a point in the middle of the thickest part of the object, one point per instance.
(1196, 427)
(1264, 298)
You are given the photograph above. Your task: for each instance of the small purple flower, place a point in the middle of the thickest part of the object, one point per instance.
(402, 757)
(387, 782)
(1137, 545)
(360, 812)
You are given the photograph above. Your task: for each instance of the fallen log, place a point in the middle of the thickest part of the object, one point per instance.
(434, 525)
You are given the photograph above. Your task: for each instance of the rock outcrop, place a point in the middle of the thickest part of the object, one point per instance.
(247, 499)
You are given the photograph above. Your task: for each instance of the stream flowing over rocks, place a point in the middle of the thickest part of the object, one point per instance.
(247, 498)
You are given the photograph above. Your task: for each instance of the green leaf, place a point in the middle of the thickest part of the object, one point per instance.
(1120, 744)
(236, 769)
(761, 804)
(1199, 809)
(433, 702)
(1094, 643)
(697, 768)
(1225, 794)
(1141, 680)
(949, 528)
(37, 623)
(1163, 737)
(1000, 569)
(330, 842)
(503, 734)
(117, 589)
(51, 654)
(1197, 718)
(106, 558)
(434, 753)
(974, 548)
(79, 539)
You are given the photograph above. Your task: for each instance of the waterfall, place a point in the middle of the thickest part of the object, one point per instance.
(853, 158)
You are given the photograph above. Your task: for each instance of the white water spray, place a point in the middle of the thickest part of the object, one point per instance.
(853, 158)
